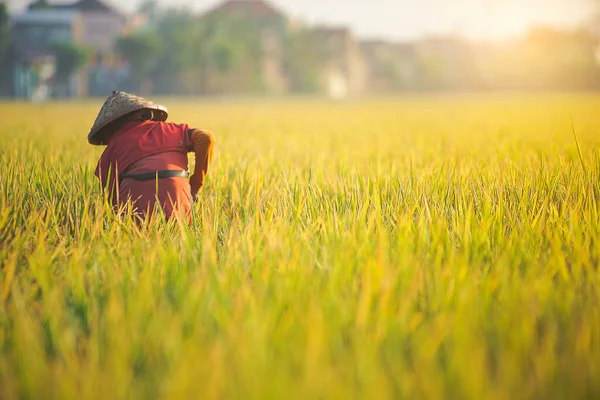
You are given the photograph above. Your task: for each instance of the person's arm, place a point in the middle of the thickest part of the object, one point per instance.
(203, 143)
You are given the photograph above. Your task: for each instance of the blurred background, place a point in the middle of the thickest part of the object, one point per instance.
(338, 48)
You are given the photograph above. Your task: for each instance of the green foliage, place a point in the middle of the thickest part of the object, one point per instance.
(150, 9)
(227, 52)
(224, 56)
(182, 46)
(4, 30)
(233, 54)
(39, 4)
(69, 58)
(301, 63)
(139, 50)
(197, 55)
(6, 71)
(413, 248)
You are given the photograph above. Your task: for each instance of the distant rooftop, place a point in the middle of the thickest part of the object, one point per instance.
(250, 8)
(81, 5)
(46, 16)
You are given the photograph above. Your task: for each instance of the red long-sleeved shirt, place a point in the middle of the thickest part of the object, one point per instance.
(149, 147)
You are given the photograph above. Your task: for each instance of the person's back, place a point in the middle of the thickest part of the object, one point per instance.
(146, 158)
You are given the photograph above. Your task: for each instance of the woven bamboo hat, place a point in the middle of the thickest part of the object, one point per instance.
(118, 105)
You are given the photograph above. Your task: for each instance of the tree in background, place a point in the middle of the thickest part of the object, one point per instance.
(182, 45)
(231, 55)
(5, 67)
(4, 30)
(192, 55)
(229, 52)
(140, 51)
(301, 63)
(40, 4)
(69, 59)
(218, 53)
(150, 9)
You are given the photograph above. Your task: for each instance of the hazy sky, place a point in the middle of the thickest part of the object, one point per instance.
(404, 19)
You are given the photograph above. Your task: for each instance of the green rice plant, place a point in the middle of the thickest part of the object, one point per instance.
(417, 247)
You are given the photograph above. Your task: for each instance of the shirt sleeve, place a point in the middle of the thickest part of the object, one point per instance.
(203, 143)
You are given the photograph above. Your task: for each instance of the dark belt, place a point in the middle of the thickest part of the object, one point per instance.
(150, 176)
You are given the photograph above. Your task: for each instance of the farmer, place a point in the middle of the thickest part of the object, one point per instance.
(145, 161)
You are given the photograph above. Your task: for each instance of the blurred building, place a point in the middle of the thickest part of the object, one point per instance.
(101, 23)
(343, 66)
(270, 26)
(89, 24)
(34, 34)
(249, 47)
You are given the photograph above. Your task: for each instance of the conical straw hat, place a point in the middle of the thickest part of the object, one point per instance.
(116, 106)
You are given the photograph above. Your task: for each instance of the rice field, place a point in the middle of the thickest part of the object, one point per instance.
(420, 247)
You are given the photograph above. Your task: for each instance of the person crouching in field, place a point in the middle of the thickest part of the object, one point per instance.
(145, 161)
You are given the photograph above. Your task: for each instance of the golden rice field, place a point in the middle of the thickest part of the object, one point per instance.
(433, 247)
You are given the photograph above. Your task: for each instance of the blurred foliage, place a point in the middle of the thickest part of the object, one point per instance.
(5, 67)
(229, 52)
(69, 58)
(181, 49)
(4, 30)
(192, 54)
(139, 50)
(233, 50)
(233, 53)
(301, 64)
(218, 52)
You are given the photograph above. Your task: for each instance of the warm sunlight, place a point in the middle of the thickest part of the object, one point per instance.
(493, 19)
(409, 19)
(299, 199)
